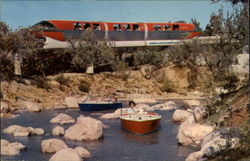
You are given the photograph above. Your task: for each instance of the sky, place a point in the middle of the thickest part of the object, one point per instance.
(24, 13)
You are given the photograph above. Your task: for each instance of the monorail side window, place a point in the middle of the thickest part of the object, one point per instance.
(157, 27)
(77, 26)
(86, 26)
(175, 27)
(136, 27)
(127, 27)
(166, 28)
(97, 27)
(117, 27)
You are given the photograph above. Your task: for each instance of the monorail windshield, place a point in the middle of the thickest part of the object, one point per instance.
(44, 25)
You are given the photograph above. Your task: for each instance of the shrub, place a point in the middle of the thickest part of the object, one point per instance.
(41, 82)
(143, 57)
(192, 79)
(90, 51)
(168, 85)
(62, 80)
(123, 75)
(84, 86)
(231, 82)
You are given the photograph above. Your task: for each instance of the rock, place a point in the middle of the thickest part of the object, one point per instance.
(17, 130)
(8, 115)
(113, 115)
(52, 145)
(191, 103)
(32, 106)
(4, 107)
(86, 128)
(195, 156)
(4, 142)
(54, 84)
(216, 143)
(58, 130)
(191, 133)
(170, 105)
(156, 107)
(14, 128)
(200, 112)
(147, 70)
(84, 153)
(62, 119)
(59, 107)
(243, 64)
(36, 131)
(141, 106)
(27, 82)
(181, 115)
(11, 148)
(22, 132)
(67, 154)
(72, 102)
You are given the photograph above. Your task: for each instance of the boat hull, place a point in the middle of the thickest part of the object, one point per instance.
(140, 127)
(99, 106)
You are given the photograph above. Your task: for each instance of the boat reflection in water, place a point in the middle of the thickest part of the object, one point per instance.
(149, 139)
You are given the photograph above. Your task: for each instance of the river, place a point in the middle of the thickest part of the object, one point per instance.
(116, 145)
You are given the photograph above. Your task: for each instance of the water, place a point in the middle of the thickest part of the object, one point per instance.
(117, 144)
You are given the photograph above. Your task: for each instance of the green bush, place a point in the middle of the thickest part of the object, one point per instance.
(84, 86)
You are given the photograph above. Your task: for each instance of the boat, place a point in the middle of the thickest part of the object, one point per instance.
(99, 106)
(140, 123)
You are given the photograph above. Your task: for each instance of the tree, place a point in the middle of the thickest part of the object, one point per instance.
(88, 51)
(233, 27)
(19, 43)
(234, 2)
(197, 24)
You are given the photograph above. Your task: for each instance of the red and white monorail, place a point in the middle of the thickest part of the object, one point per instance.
(121, 34)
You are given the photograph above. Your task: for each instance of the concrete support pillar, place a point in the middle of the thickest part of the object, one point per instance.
(90, 69)
(17, 65)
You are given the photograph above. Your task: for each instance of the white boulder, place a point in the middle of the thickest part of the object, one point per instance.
(36, 131)
(11, 148)
(191, 103)
(52, 145)
(17, 130)
(86, 128)
(58, 130)
(181, 115)
(191, 133)
(62, 119)
(32, 106)
(112, 115)
(4, 107)
(170, 105)
(72, 102)
(200, 112)
(215, 143)
(83, 152)
(67, 154)
(195, 156)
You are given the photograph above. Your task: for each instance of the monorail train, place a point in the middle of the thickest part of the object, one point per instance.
(55, 33)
